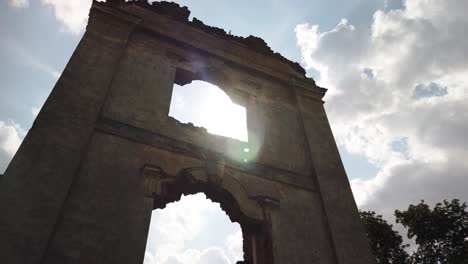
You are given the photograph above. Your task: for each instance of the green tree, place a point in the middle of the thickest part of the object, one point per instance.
(386, 244)
(440, 233)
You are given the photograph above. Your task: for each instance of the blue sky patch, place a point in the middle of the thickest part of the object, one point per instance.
(369, 73)
(429, 90)
(401, 146)
(357, 166)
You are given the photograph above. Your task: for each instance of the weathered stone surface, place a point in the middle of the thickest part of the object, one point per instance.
(103, 152)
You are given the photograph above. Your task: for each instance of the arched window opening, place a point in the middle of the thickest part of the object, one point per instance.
(193, 230)
(206, 105)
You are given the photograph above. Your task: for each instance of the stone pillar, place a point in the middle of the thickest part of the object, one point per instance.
(37, 181)
(141, 93)
(351, 246)
(108, 210)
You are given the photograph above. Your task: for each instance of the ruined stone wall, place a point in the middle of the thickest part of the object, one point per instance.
(103, 151)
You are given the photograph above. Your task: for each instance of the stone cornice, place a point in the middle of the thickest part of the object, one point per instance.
(181, 14)
(308, 88)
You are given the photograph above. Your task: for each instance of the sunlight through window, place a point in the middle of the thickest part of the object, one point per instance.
(193, 230)
(206, 105)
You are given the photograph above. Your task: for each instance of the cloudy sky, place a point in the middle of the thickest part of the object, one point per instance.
(396, 70)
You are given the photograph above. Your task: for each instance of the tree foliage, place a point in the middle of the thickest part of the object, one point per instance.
(386, 244)
(441, 234)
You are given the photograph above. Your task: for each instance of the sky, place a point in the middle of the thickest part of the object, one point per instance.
(396, 70)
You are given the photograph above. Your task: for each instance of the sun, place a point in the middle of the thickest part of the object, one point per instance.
(206, 105)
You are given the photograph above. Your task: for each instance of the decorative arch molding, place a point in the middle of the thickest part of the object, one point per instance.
(165, 188)
(161, 189)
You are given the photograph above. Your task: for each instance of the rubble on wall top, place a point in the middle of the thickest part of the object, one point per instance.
(182, 14)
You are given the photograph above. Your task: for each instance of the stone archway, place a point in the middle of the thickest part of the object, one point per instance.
(162, 189)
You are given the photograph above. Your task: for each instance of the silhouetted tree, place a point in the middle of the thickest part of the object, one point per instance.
(441, 233)
(386, 244)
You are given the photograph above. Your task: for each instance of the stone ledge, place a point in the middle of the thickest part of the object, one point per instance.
(118, 129)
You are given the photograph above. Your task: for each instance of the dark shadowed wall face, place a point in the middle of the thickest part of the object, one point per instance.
(396, 98)
(111, 153)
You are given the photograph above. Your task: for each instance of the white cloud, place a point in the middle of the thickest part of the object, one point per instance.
(11, 136)
(234, 243)
(73, 14)
(183, 233)
(417, 46)
(19, 3)
(213, 256)
(35, 111)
